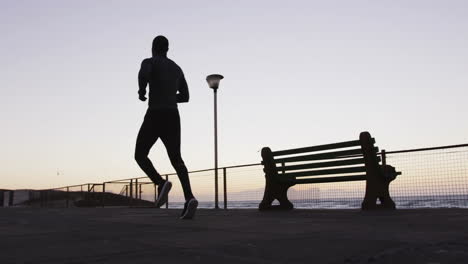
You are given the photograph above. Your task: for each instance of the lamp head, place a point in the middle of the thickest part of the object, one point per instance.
(213, 80)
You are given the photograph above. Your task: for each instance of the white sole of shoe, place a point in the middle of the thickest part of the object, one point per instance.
(191, 209)
(162, 197)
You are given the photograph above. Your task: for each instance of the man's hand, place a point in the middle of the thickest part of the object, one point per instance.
(142, 98)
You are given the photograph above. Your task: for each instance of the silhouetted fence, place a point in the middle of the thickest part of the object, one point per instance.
(432, 177)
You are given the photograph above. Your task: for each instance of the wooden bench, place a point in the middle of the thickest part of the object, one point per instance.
(356, 160)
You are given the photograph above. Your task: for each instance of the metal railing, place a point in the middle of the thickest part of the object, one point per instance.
(142, 192)
(432, 177)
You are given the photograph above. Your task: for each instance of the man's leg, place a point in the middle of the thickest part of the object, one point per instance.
(145, 140)
(171, 139)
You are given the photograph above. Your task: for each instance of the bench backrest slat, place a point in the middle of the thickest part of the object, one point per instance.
(335, 163)
(332, 179)
(321, 156)
(345, 144)
(308, 173)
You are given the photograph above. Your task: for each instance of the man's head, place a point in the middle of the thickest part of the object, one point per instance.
(160, 45)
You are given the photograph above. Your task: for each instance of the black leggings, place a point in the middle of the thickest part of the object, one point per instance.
(164, 124)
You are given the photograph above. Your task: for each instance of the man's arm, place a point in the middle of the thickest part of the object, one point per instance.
(183, 95)
(143, 80)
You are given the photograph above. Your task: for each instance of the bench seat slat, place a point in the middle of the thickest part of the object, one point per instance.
(339, 145)
(321, 156)
(325, 164)
(330, 179)
(323, 172)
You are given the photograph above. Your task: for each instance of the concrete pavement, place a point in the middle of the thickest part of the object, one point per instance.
(148, 235)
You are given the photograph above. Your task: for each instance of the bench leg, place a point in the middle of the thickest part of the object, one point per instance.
(273, 189)
(377, 188)
(278, 191)
(377, 192)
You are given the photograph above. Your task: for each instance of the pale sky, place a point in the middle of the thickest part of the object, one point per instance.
(297, 73)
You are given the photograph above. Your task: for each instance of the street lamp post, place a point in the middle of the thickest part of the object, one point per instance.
(213, 82)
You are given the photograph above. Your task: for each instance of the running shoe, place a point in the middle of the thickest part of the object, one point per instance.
(190, 207)
(163, 192)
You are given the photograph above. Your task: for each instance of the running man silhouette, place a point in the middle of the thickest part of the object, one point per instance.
(167, 87)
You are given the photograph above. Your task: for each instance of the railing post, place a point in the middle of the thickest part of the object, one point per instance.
(167, 202)
(155, 194)
(384, 157)
(225, 188)
(216, 189)
(136, 192)
(12, 198)
(103, 193)
(131, 192)
(68, 192)
(140, 191)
